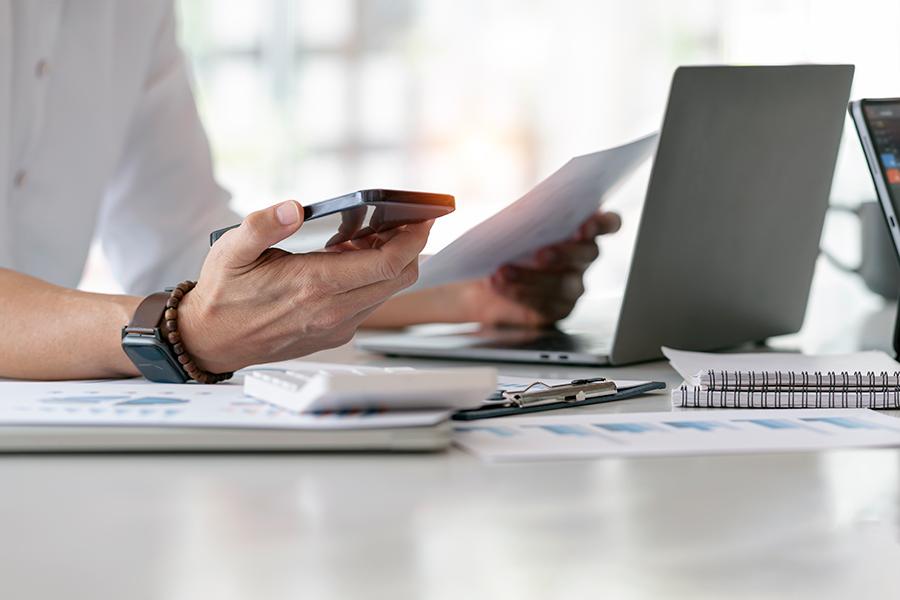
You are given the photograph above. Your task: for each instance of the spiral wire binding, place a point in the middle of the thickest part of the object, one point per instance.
(802, 390)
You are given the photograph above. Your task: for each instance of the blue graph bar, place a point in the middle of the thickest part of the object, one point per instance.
(626, 427)
(82, 399)
(698, 425)
(576, 430)
(845, 422)
(772, 423)
(145, 400)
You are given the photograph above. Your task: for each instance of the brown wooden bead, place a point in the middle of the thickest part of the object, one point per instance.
(174, 337)
(171, 314)
(177, 293)
(178, 348)
(184, 359)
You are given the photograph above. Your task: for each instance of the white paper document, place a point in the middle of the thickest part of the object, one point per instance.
(551, 212)
(672, 433)
(168, 405)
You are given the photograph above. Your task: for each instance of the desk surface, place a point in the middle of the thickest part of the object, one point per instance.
(822, 525)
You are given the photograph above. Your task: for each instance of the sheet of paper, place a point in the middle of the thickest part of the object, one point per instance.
(690, 364)
(550, 212)
(675, 433)
(140, 404)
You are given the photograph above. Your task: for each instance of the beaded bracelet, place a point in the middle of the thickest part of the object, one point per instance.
(174, 337)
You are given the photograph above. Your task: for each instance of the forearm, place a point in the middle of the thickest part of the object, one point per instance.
(52, 332)
(444, 304)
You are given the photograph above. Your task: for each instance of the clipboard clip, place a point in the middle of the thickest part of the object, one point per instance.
(575, 391)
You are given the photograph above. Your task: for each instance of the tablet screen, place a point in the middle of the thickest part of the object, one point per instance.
(883, 121)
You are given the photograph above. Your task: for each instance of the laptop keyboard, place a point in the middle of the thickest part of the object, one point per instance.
(560, 342)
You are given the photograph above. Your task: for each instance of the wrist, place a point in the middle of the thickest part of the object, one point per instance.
(195, 334)
(123, 308)
(450, 303)
(468, 298)
(202, 336)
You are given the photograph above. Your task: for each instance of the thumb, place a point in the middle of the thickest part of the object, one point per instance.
(260, 230)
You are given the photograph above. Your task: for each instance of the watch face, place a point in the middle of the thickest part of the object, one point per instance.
(152, 359)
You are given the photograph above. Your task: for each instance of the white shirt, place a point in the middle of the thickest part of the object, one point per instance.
(99, 137)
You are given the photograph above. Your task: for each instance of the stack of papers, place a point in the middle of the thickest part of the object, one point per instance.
(140, 415)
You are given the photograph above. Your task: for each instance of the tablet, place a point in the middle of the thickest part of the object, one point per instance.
(878, 126)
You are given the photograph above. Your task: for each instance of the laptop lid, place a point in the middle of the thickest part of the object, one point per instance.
(730, 230)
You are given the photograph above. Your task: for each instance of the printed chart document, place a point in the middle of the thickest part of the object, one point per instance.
(63, 403)
(136, 415)
(551, 212)
(674, 433)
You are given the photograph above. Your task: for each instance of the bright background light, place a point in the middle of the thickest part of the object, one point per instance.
(482, 98)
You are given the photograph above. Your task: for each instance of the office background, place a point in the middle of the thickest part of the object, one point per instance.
(482, 98)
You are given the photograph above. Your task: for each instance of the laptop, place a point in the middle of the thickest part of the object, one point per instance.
(729, 234)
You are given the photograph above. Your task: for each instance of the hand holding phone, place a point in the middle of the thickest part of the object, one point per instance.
(254, 304)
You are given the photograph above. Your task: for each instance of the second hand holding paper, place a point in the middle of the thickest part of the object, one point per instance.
(551, 212)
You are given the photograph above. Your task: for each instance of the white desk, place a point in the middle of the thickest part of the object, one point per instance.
(449, 527)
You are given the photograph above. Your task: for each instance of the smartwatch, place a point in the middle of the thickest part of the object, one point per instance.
(145, 344)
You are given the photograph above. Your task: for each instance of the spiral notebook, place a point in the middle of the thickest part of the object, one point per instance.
(783, 380)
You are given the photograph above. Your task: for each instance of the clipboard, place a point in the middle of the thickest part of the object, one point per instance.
(566, 396)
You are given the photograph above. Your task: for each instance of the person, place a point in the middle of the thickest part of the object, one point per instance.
(101, 139)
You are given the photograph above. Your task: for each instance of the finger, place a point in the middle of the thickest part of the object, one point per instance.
(376, 240)
(351, 270)
(372, 240)
(608, 222)
(375, 294)
(567, 256)
(526, 283)
(529, 310)
(546, 308)
(600, 223)
(349, 327)
(258, 231)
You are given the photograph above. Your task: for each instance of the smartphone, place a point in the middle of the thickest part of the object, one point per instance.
(878, 126)
(358, 214)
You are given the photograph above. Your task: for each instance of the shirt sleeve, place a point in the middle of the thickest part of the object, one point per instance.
(162, 201)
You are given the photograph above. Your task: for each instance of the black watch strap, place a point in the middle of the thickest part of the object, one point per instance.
(148, 315)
